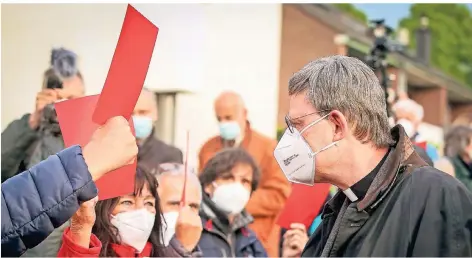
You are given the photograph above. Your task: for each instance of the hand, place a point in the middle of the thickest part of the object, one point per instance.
(295, 240)
(189, 228)
(43, 98)
(82, 223)
(112, 146)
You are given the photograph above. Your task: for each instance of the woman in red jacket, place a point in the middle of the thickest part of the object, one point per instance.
(125, 226)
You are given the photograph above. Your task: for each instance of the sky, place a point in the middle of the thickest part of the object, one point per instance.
(392, 13)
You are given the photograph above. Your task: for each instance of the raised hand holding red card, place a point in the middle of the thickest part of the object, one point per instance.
(79, 118)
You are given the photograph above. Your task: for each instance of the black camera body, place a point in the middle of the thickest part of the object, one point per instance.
(377, 58)
(54, 82)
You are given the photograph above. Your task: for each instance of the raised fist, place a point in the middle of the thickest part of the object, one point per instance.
(112, 146)
(294, 240)
(189, 228)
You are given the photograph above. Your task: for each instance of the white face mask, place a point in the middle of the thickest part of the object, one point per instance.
(168, 225)
(408, 126)
(295, 157)
(134, 227)
(231, 198)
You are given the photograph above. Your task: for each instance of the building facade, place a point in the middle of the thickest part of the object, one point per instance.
(311, 31)
(203, 49)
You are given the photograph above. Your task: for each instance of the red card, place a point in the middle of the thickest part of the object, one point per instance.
(422, 145)
(182, 199)
(76, 124)
(303, 204)
(122, 87)
(128, 68)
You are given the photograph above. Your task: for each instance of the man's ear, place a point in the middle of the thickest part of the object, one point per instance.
(340, 125)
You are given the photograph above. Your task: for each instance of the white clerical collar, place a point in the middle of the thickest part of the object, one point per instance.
(351, 195)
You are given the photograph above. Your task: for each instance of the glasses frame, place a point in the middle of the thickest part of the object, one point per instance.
(288, 120)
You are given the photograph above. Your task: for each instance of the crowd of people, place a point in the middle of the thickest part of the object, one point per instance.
(231, 202)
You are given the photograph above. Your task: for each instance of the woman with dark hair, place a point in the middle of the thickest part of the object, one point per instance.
(126, 226)
(228, 180)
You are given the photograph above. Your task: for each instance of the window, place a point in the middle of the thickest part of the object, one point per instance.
(165, 125)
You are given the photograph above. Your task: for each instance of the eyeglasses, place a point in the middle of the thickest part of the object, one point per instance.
(169, 167)
(166, 167)
(290, 125)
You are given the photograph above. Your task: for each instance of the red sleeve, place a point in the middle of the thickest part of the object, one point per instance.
(70, 249)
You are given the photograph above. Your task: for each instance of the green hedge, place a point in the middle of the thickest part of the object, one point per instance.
(280, 132)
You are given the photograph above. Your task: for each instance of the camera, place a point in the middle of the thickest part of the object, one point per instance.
(377, 57)
(53, 82)
(63, 66)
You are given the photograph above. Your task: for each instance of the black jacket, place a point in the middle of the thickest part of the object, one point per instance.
(154, 152)
(220, 239)
(410, 209)
(43, 198)
(18, 144)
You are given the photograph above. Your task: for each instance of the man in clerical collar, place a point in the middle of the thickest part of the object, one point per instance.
(391, 202)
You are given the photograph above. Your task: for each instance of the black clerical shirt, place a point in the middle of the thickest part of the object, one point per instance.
(360, 188)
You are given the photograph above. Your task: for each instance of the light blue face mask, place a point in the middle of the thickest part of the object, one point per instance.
(229, 130)
(142, 126)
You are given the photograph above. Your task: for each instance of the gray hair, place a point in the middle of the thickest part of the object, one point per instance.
(348, 85)
(457, 140)
(191, 176)
(409, 106)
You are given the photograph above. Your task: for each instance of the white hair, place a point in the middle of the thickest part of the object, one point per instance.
(409, 106)
(191, 176)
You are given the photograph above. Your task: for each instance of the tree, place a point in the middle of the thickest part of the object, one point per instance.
(352, 11)
(451, 37)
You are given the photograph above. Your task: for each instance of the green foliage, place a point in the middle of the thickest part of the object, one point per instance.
(352, 11)
(280, 132)
(451, 39)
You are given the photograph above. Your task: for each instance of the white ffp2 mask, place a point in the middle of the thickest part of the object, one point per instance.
(134, 227)
(295, 157)
(168, 227)
(231, 198)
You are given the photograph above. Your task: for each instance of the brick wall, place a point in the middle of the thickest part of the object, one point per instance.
(303, 39)
(435, 105)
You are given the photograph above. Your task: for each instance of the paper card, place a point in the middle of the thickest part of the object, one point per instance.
(182, 199)
(303, 204)
(422, 145)
(75, 120)
(79, 118)
(128, 68)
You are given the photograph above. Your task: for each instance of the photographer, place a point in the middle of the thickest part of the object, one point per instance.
(31, 139)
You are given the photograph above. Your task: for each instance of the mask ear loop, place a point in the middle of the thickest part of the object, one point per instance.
(313, 123)
(323, 149)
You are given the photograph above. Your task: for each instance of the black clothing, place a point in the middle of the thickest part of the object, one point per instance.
(154, 152)
(360, 188)
(410, 209)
